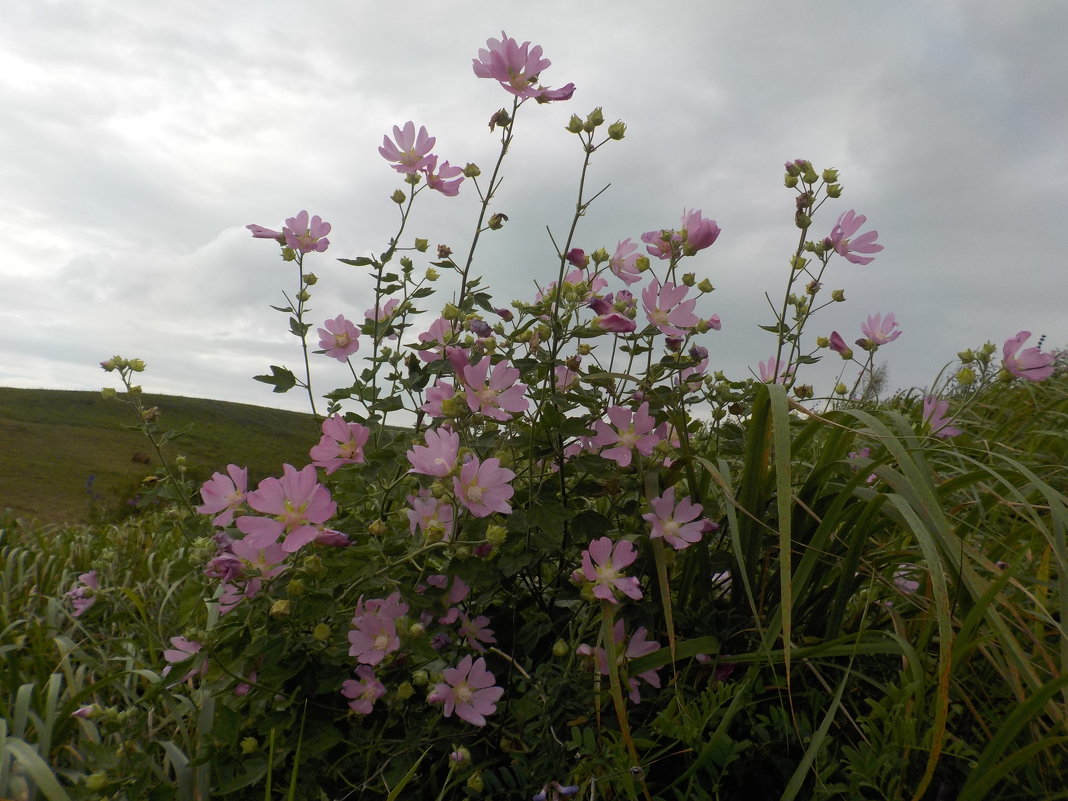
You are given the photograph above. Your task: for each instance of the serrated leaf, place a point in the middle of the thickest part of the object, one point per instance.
(280, 378)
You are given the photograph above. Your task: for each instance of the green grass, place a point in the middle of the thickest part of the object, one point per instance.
(53, 442)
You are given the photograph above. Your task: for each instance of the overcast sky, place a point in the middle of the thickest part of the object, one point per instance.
(139, 138)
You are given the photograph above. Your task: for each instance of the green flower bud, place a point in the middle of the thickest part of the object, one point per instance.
(280, 608)
(471, 171)
(378, 528)
(406, 263)
(600, 255)
(288, 254)
(398, 197)
(574, 125)
(311, 279)
(496, 535)
(841, 389)
(454, 406)
(108, 392)
(802, 220)
(966, 356)
(966, 377)
(413, 178)
(303, 296)
(594, 120)
(405, 691)
(475, 783)
(420, 678)
(321, 632)
(249, 745)
(834, 190)
(432, 274)
(416, 630)
(791, 181)
(803, 391)
(989, 347)
(560, 648)
(822, 342)
(421, 245)
(838, 295)
(313, 565)
(96, 781)
(689, 279)
(719, 413)
(450, 312)
(642, 263)
(809, 175)
(706, 286)
(616, 130)
(497, 221)
(830, 176)
(798, 262)
(295, 588)
(137, 366)
(584, 349)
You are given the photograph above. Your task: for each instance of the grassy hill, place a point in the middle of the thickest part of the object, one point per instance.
(59, 449)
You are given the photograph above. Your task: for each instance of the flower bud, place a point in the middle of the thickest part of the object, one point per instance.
(830, 176)
(378, 528)
(790, 181)
(560, 648)
(311, 279)
(280, 608)
(475, 783)
(405, 691)
(966, 356)
(838, 295)
(616, 130)
(249, 745)
(706, 286)
(413, 178)
(295, 588)
(499, 118)
(288, 254)
(321, 632)
(398, 197)
(432, 274)
(689, 279)
(802, 220)
(137, 366)
(841, 389)
(497, 221)
(461, 756)
(471, 170)
(421, 245)
(108, 392)
(420, 678)
(584, 349)
(822, 342)
(406, 263)
(809, 175)
(966, 377)
(834, 190)
(303, 296)
(96, 781)
(496, 535)
(594, 120)
(574, 125)
(803, 391)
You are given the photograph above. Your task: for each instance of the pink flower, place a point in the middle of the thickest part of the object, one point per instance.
(1032, 364)
(476, 631)
(615, 322)
(637, 646)
(82, 596)
(771, 372)
(848, 246)
(374, 632)
(341, 443)
(339, 338)
(468, 690)
(410, 152)
(665, 308)
(934, 414)
(298, 503)
(441, 333)
(431, 516)
(624, 262)
(482, 487)
(678, 525)
(496, 395)
(577, 257)
(304, 235)
(267, 561)
(697, 232)
(446, 180)
(259, 232)
(183, 651)
(362, 694)
(629, 430)
(601, 565)
(517, 67)
(224, 495)
(438, 456)
(436, 396)
(880, 331)
(838, 345)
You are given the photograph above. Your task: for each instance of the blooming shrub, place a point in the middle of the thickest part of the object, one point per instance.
(429, 586)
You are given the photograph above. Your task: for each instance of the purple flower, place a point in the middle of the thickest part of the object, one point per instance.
(666, 308)
(339, 338)
(628, 430)
(374, 632)
(304, 235)
(934, 414)
(445, 179)
(438, 456)
(362, 694)
(468, 690)
(880, 330)
(483, 488)
(602, 562)
(223, 495)
(517, 67)
(411, 152)
(679, 525)
(849, 246)
(1032, 364)
(838, 345)
(298, 503)
(341, 443)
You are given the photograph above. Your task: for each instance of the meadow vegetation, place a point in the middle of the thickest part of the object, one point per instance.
(544, 551)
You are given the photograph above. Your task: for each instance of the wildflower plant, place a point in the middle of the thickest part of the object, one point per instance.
(543, 535)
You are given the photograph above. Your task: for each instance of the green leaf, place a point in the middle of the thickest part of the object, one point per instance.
(280, 378)
(359, 261)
